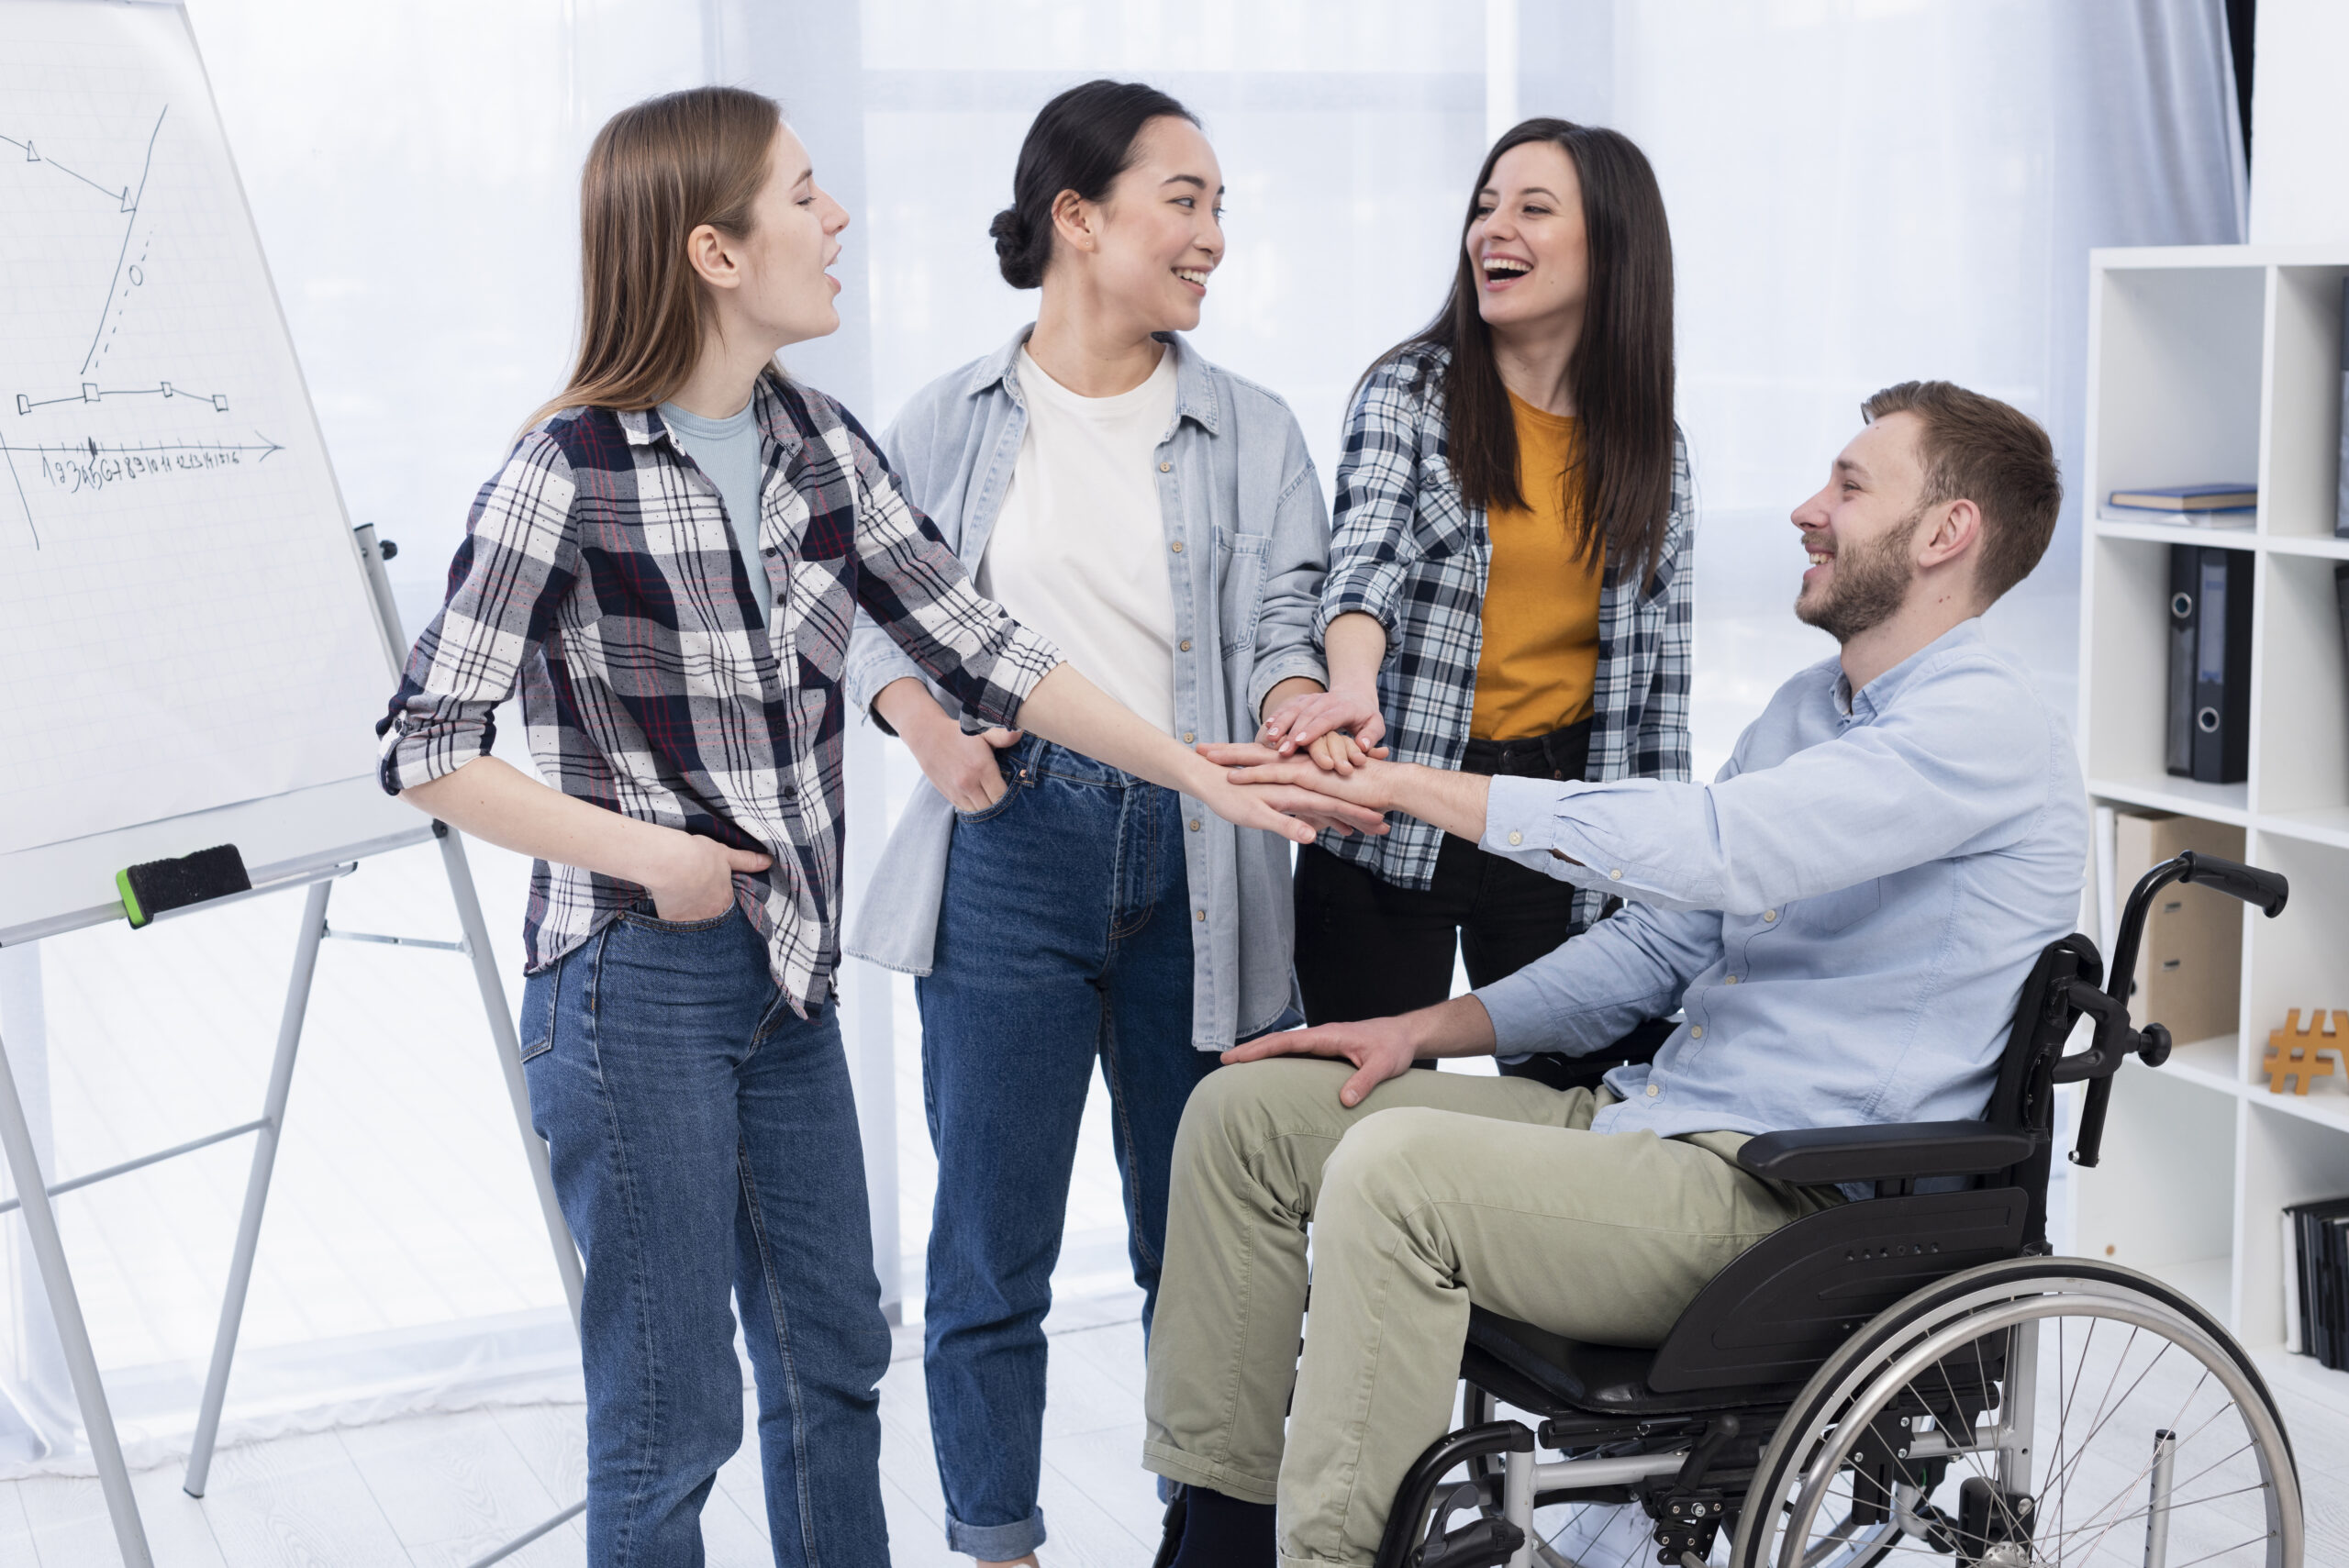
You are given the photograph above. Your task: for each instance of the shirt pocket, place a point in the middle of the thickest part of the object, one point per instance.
(1830, 912)
(1240, 593)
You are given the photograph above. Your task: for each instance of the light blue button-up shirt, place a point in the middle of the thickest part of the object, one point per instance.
(1846, 914)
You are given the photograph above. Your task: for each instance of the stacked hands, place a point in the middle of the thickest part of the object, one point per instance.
(1312, 761)
(1307, 769)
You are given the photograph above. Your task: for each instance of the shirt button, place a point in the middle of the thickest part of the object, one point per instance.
(1614, 876)
(1696, 1032)
(1515, 837)
(1195, 824)
(1769, 914)
(1654, 1091)
(1165, 468)
(1731, 981)
(1186, 645)
(1178, 547)
(1188, 736)
(1198, 913)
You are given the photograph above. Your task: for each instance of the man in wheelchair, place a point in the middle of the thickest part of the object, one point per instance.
(1845, 918)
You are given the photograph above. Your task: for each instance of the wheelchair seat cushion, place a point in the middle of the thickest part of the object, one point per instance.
(1549, 1374)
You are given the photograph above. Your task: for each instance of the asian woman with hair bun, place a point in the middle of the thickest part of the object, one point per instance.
(1158, 516)
(1512, 568)
(666, 566)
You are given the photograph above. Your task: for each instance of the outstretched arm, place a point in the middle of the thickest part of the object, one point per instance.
(1069, 710)
(1454, 802)
(1923, 783)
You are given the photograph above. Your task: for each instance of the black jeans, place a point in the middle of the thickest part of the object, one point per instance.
(1366, 947)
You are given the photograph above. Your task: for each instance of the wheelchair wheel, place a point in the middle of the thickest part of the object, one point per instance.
(1619, 1535)
(2046, 1411)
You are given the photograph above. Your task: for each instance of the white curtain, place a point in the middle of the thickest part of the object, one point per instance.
(1861, 191)
(1869, 191)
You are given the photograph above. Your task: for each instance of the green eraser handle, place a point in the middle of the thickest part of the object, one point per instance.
(130, 906)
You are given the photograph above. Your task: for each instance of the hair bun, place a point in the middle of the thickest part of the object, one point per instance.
(1015, 248)
(1010, 232)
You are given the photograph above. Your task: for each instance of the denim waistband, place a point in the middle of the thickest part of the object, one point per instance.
(1561, 754)
(1038, 757)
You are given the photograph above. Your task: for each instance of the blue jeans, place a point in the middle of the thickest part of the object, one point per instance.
(1065, 936)
(705, 1146)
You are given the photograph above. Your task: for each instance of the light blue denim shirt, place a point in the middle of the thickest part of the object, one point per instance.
(1847, 914)
(1248, 536)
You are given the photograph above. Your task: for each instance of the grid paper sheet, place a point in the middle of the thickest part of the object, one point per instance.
(183, 621)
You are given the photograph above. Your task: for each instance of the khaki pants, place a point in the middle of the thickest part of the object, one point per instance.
(1439, 1189)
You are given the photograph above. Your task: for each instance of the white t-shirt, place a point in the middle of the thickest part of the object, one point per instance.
(1079, 551)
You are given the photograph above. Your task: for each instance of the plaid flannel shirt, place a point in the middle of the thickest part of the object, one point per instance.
(1407, 549)
(599, 573)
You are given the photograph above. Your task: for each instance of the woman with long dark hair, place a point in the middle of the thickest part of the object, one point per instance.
(1509, 580)
(667, 565)
(1156, 515)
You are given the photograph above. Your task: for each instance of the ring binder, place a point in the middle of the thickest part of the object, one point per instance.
(2209, 664)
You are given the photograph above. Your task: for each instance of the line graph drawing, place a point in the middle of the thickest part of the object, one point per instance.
(66, 467)
(145, 165)
(127, 199)
(33, 156)
(92, 392)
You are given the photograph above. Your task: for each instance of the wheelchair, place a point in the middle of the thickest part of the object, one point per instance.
(1912, 1375)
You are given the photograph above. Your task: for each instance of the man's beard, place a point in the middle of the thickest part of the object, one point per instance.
(1864, 587)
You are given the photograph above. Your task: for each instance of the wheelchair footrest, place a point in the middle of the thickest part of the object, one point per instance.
(1484, 1544)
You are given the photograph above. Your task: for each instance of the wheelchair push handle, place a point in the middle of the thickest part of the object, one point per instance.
(2115, 1041)
(2264, 888)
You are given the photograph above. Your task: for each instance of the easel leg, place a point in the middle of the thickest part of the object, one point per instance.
(509, 1060)
(518, 1090)
(240, 1265)
(65, 1307)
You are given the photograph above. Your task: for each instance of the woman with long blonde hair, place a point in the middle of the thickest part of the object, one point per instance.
(667, 566)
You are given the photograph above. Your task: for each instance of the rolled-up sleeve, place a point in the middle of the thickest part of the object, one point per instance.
(517, 562)
(874, 661)
(917, 593)
(1371, 542)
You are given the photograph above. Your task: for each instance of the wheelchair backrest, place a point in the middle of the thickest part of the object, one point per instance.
(2024, 1097)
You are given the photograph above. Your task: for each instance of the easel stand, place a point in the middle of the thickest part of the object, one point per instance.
(35, 1193)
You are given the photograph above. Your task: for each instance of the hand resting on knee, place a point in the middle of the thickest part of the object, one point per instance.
(1381, 1048)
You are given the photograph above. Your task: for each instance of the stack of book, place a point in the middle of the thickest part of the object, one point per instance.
(2316, 1280)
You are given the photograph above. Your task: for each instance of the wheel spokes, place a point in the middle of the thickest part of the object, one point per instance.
(2141, 1449)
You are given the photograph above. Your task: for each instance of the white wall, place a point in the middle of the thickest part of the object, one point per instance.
(2299, 123)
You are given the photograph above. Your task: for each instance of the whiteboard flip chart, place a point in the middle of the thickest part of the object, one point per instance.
(184, 623)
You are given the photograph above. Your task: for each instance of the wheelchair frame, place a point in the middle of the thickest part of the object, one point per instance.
(1853, 1305)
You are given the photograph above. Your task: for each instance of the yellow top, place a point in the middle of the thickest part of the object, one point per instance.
(1539, 657)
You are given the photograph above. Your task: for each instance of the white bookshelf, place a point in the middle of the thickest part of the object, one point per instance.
(2209, 363)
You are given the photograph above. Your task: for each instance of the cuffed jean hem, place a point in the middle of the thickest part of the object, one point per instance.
(995, 1543)
(1177, 1465)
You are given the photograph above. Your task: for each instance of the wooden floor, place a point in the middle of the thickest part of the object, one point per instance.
(438, 1491)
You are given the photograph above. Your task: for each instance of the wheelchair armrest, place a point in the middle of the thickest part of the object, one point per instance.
(1817, 1156)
